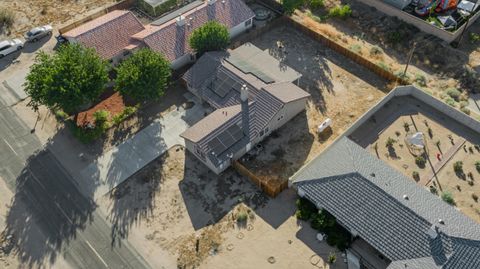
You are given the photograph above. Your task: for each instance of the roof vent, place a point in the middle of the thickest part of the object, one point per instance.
(441, 221)
(244, 93)
(372, 174)
(432, 232)
(405, 197)
(180, 20)
(223, 1)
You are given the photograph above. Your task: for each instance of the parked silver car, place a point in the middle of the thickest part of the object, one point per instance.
(38, 32)
(9, 46)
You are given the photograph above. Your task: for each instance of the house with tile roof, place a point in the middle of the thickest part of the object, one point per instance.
(170, 36)
(395, 223)
(110, 35)
(251, 99)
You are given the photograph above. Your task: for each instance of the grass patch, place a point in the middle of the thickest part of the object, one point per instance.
(341, 11)
(356, 48)
(454, 93)
(127, 112)
(384, 66)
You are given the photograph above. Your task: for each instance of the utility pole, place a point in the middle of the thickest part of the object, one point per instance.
(410, 56)
(457, 43)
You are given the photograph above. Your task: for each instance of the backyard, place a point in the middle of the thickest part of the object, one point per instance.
(340, 89)
(174, 201)
(446, 143)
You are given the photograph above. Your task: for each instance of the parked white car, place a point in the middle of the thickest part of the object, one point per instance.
(38, 32)
(9, 46)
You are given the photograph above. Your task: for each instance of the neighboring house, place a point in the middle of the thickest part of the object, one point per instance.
(170, 37)
(403, 224)
(156, 8)
(447, 26)
(110, 35)
(253, 94)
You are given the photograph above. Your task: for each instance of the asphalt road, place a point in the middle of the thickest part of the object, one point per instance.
(45, 193)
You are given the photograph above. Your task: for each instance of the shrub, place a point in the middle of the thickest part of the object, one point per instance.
(465, 110)
(450, 102)
(430, 132)
(474, 38)
(458, 167)
(375, 50)
(415, 175)
(332, 257)
(60, 114)
(406, 126)
(384, 66)
(390, 142)
(341, 11)
(242, 217)
(305, 209)
(211, 36)
(322, 221)
(454, 93)
(475, 197)
(421, 80)
(101, 116)
(394, 37)
(403, 76)
(316, 4)
(477, 166)
(448, 197)
(127, 112)
(6, 18)
(420, 161)
(356, 48)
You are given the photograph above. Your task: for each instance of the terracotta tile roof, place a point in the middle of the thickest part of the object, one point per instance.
(172, 40)
(108, 34)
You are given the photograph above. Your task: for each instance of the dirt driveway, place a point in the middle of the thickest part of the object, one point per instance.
(168, 205)
(340, 89)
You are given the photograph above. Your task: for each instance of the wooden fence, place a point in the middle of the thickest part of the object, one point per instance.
(324, 40)
(125, 4)
(272, 187)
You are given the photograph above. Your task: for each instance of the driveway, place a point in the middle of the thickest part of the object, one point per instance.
(122, 161)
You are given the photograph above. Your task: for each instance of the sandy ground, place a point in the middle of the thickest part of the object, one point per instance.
(340, 89)
(166, 206)
(391, 119)
(31, 13)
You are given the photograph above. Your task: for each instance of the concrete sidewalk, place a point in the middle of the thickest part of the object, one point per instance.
(119, 163)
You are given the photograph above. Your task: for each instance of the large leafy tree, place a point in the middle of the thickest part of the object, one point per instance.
(70, 78)
(143, 76)
(209, 37)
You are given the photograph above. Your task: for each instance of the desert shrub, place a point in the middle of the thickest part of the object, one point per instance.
(384, 66)
(6, 18)
(403, 76)
(477, 166)
(375, 50)
(465, 110)
(448, 197)
(430, 132)
(450, 102)
(415, 175)
(406, 126)
(475, 197)
(474, 38)
(420, 161)
(341, 11)
(316, 4)
(421, 80)
(433, 189)
(397, 133)
(242, 217)
(101, 116)
(332, 257)
(454, 93)
(305, 209)
(458, 167)
(356, 48)
(394, 37)
(390, 142)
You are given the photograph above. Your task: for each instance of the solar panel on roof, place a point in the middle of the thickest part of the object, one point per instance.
(226, 139)
(247, 68)
(236, 132)
(216, 146)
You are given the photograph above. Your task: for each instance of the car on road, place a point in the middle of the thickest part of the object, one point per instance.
(38, 32)
(10, 46)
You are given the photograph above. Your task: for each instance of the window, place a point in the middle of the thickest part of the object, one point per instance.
(247, 23)
(5, 47)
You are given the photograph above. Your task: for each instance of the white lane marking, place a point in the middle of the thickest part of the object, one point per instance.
(69, 220)
(11, 148)
(96, 253)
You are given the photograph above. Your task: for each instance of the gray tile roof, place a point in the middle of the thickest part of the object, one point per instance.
(367, 196)
(203, 79)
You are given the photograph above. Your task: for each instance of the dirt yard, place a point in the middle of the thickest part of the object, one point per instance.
(168, 205)
(340, 89)
(387, 42)
(457, 143)
(31, 13)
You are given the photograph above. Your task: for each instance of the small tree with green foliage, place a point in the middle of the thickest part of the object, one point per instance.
(289, 6)
(209, 37)
(72, 77)
(448, 197)
(143, 76)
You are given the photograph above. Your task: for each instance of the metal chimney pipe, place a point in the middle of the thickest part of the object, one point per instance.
(245, 110)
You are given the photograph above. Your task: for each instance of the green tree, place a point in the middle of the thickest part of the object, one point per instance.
(289, 6)
(143, 76)
(70, 78)
(210, 37)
